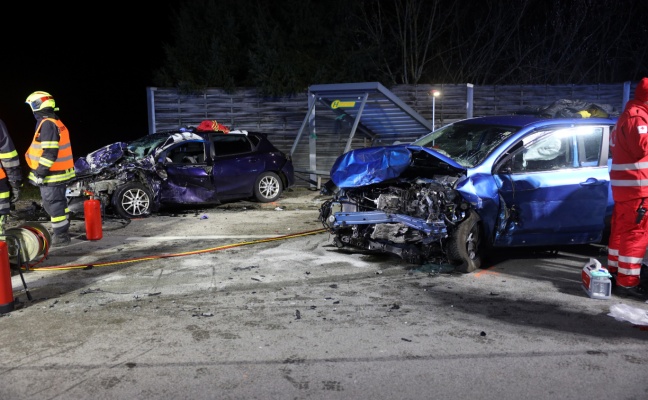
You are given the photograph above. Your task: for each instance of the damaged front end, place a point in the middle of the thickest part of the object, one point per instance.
(388, 206)
(108, 170)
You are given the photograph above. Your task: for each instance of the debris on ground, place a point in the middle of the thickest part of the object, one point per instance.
(634, 315)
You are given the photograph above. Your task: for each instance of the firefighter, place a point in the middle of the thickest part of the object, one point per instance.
(10, 174)
(629, 182)
(50, 162)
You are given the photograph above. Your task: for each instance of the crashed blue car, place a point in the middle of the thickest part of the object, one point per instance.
(475, 186)
(186, 166)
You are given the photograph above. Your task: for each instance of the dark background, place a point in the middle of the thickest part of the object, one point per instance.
(95, 61)
(98, 58)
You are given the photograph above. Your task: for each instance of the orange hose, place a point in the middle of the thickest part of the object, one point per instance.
(224, 247)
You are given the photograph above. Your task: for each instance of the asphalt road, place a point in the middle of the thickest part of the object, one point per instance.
(250, 301)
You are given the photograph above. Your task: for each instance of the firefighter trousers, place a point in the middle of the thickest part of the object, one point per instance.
(55, 204)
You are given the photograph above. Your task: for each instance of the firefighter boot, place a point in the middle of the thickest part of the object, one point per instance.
(61, 239)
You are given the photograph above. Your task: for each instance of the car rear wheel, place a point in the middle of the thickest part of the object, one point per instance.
(464, 247)
(132, 200)
(267, 187)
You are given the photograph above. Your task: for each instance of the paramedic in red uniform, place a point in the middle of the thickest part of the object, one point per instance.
(629, 182)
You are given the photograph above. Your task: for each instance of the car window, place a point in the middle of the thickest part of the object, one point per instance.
(559, 149)
(590, 141)
(187, 153)
(231, 144)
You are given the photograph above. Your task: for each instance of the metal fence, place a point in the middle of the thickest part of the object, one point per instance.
(282, 117)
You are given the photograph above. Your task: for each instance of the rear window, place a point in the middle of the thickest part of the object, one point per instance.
(231, 144)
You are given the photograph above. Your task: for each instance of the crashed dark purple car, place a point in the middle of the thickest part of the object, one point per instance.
(181, 167)
(475, 186)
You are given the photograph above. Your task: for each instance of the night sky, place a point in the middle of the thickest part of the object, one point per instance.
(96, 62)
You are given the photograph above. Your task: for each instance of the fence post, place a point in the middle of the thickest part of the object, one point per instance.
(626, 94)
(150, 108)
(469, 100)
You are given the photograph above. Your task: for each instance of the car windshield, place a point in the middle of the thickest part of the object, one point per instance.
(467, 144)
(144, 146)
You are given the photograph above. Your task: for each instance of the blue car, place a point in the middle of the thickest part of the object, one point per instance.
(180, 167)
(473, 186)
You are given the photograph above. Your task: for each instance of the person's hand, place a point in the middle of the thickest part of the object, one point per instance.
(38, 180)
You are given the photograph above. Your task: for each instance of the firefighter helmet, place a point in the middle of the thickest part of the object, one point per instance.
(40, 100)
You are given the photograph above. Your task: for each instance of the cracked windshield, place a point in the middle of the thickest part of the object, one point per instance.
(467, 144)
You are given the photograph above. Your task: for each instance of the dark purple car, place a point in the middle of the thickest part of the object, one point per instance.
(181, 167)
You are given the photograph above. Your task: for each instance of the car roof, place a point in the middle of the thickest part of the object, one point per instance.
(521, 121)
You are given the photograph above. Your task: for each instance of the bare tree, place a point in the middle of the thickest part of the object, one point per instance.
(405, 33)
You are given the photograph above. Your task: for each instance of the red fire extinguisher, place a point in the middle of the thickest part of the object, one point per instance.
(92, 213)
(6, 290)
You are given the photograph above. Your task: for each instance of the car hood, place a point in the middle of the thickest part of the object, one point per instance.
(98, 160)
(373, 165)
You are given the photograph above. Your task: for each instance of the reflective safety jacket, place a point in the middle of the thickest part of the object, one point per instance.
(9, 160)
(51, 157)
(629, 148)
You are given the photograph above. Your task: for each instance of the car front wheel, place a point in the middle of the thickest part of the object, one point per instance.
(464, 247)
(133, 200)
(267, 187)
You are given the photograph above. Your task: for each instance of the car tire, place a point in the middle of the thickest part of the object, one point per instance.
(465, 250)
(132, 200)
(268, 187)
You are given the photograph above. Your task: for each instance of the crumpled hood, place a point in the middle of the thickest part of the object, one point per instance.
(99, 159)
(109, 155)
(372, 165)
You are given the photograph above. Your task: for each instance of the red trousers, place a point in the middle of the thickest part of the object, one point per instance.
(628, 242)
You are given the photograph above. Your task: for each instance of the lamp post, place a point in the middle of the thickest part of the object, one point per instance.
(435, 94)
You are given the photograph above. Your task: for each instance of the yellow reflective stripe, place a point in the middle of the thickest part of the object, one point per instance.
(69, 174)
(10, 154)
(4, 195)
(58, 219)
(45, 162)
(50, 145)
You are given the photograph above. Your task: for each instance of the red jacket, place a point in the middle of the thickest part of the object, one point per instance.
(629, 148)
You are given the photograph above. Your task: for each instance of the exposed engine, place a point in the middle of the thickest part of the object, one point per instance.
(100, 182)
(412, 219)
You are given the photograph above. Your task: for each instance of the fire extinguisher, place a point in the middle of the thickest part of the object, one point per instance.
(92, 213)
(6, 290)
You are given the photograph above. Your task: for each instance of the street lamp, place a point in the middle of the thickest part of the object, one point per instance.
(435, 94)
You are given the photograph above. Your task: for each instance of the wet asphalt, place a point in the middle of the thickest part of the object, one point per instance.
(249, 301)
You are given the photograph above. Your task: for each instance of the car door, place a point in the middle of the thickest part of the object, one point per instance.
(188, 174)
(555, 187)
(236, 165)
